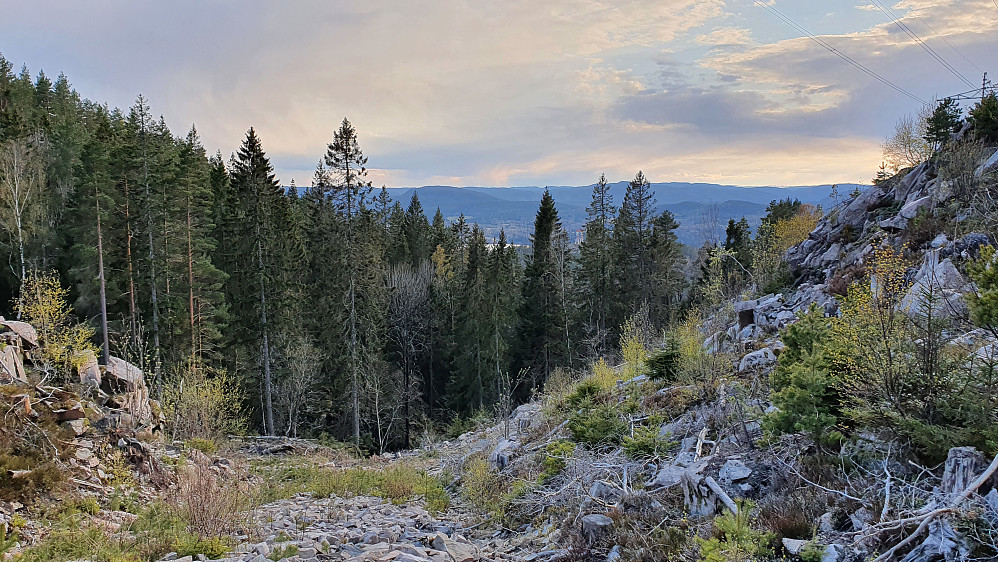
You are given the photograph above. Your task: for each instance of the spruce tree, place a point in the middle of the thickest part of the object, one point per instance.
(542, 314)
(595, 283)
(257, 195)
(631, 240)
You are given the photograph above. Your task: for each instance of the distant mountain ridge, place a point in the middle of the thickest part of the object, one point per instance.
(513, 208)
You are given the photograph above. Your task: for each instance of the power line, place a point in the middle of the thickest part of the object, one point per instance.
(840, 54)
(943, 37)
(932, 52)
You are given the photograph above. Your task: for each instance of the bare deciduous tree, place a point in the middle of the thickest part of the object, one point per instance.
(295, 391)
(408, 305)
(906, 146)
(21, 179)
(386, 395)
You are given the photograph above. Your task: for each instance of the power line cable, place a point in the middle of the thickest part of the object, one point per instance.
(932, 52)
(840, 54)
(943, 37)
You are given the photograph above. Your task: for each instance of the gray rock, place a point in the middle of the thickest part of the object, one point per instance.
(833, 553)
(667, 477)
(794, 546)
(910, 210)
(757, 359)
(503, 453)
(734, 470)
(860, 518)
(605, 492)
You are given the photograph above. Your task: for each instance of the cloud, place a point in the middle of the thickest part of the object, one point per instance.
(726, 37)
(491, 93)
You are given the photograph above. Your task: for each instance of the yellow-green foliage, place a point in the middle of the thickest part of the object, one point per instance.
(483, 487)
(44, 304)
(877, 365)
(398, 484)
(157, 531)
(604, 375)
(632, 349)
(206, 446)
(489, 491)
(646, 441)
(202, 403)
(556, 458)
(735, 539)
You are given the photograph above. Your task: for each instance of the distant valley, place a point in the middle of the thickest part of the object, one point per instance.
(695, 205)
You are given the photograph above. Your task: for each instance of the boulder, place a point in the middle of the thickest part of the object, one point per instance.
(525, 417)
(605, 492)
(734, 470)
(911, 210)
(503, 453)
(25, 331)
(122, 376)
(757, 359)
(794, 546)
(668, 476)
(12, 365)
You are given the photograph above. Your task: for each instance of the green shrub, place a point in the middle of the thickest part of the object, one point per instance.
(483, 487)
(735, 539)
(813, 551)
(203, 403)
(597, 426)
(984, 303)
(587, 393)
(284, 551)
(646, 442)
(397, 484)
(206, 446)
(803, 388)
(192, 545)
(86, 504)
(665, 364)
(555, 458)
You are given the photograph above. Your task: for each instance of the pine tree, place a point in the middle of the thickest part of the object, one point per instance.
(984, 118)
(346, 163)
(417, 232)
(943, 122)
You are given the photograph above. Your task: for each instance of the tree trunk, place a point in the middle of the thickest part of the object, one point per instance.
(354, 372)
(190, 282)
(132, 315)
(152, 268)
(268, 405)
(105, 352)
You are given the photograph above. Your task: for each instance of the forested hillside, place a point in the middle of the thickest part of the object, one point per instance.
(339, 311)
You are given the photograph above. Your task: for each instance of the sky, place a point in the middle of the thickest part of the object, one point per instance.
(521, 92)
